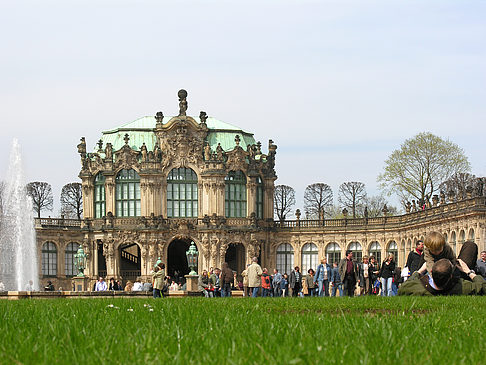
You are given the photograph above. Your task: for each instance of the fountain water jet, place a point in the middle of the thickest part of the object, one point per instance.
(18, 253)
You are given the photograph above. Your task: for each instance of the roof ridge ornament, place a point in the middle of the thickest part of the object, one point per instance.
(126, 138)
(182, 94)
(203, 117)
(237, 140)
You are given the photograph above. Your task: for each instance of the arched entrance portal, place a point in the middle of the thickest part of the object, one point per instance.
(130, 262)
(235, 257)
(176, 259)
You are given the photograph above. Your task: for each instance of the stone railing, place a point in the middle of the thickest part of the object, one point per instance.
(474, 204)
(57, 222)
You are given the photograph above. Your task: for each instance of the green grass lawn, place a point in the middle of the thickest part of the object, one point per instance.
(366, 330)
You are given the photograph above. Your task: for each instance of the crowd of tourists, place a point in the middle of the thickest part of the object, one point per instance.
(431, 269)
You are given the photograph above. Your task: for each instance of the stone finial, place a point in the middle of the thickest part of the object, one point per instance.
(435, 200)
(451, 195)
(159, 117)
(408, 207)
(182, 94)
(442, 198)
(259, 148)
(366, 212)
(385, 210)
(297, 214)
(126, 138)
(345, 212)
(82, 147)
(100, 145)
(203, 117)
(237, 140)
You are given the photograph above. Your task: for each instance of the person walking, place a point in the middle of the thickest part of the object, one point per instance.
(295, 281)
(323, 275)
(348, 270)
(386, 276)
(226, 279)
(254, 273)
(158, 277)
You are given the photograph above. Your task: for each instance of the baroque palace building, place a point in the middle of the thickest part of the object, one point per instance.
(154, 185)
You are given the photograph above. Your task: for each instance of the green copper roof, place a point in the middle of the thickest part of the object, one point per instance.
(142, 131)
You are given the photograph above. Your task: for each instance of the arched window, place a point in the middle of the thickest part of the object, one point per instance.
(309, 257)
(357, 251)
(259, 198)
(462, 237)
(333, 253)
(453, 241)
(182, 193)
(375, 250)
(285, 258)
(471, 235)
(235, 195)
(49, 259)
(127, 194)
(393, 248)
(71, 250)
(99, 196)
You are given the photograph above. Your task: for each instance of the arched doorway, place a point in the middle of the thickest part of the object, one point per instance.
(101, 259)
(235, 257)
(177, 261)
(130, 262)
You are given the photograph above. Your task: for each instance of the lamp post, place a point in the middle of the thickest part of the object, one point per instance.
(192, 256)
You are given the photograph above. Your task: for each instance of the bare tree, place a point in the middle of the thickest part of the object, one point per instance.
(352, 195)
(458, 183)
(41, 194)
(284, 200)
(375, 204)
(72, 200)
(317, 199)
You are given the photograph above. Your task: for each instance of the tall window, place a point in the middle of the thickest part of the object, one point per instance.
(285, 258)
(357, 251)
(471, 235)
(71, 250)
(309, 257)
(49, 259)
(452, 243)
(127, 194)
(259, 198)
(181, 193)
(235, 195)
(333, 253)
(375, 250)
(99, 196)
(393, 248)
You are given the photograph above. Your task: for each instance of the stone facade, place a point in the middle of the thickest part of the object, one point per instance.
(126, 245)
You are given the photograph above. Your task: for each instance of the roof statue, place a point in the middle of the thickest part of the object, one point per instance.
(182, 94)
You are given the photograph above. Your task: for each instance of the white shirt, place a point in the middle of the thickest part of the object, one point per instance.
(137, 286)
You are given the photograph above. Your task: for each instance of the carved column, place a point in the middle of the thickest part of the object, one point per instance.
(88, 198)
(110, 189)
(163, 197)
(251, 196)
(268, 192)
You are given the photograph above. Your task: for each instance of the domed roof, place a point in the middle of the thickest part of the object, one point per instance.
(142, 130)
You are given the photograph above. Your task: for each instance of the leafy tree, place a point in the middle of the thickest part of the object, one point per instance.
(72, 200)
(41, 194)
(284, 200)
(352, 194)
(458, 183)
(420, 165)
(375, 205)
(317, 198)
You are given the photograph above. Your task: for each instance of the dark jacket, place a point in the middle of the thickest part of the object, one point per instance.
(418, 285)
(413, 261)
(387, 271)
(343, 266)
(293, 280)
(335, 277)
(226, 275)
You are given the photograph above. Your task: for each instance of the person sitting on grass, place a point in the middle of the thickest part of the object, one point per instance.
(444, 279)
(435, 249)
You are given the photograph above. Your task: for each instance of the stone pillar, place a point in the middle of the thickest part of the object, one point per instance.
(191, 285)
(268, 192)
(251, 196)
(110, 190)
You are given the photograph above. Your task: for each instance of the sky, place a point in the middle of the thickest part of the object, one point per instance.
(337, 85)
